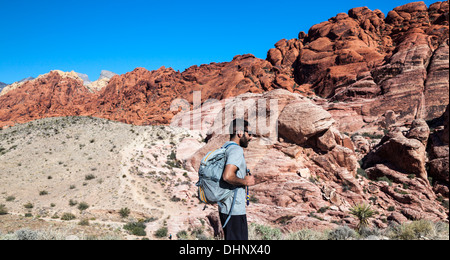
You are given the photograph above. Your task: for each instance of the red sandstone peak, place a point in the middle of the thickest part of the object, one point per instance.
(372, 61)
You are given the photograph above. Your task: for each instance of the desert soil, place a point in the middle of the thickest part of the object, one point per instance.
(56, 164)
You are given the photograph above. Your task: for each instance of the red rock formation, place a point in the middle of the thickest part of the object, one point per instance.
(138, 97)
(401, 61)
(302, 178)
(49, 96)
(372, 63)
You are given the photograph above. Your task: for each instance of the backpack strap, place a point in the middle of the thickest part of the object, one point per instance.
(211, 152)
(232, 207)
(230, 144)
(235, 192)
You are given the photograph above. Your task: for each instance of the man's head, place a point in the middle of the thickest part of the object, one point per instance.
(240, 132)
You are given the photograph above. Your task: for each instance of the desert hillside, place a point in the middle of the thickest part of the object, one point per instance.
(52, 166)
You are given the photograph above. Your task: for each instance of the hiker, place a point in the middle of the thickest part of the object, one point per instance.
(235, 175)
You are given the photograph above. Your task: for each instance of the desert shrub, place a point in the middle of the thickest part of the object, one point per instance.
(412, 231)
(183, 235)
(68, 216)
(362, 172)
(3, 210)
(363, 213)
(26, 234)
(441, 230)
(84, 222)
(175, 199)
(366, 232)
(29, 205)
(308, 234)
(83, 206)
(261, 232)
(342, 233)
(89, 177)
(386, 179)
(124, 212)
(136, 228)
(52, 234)
(162, 232)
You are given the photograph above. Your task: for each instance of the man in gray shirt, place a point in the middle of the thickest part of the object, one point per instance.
(235, 176)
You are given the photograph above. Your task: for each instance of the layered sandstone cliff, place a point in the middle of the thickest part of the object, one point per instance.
(369, 64)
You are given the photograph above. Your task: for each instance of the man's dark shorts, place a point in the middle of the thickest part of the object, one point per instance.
(237, 227)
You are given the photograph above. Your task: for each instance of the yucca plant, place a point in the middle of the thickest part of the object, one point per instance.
(363, 213)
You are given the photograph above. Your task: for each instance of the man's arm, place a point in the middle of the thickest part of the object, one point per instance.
(229, 175)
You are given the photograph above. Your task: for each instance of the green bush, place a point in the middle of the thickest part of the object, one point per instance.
(83, 206)
(342, 233)
(412, 231)
(183, 235)
(363, 212)
(136, 228)
(89, 177)
(26, 234)
(68, 216)
(124, 212)
(162, 232)
(308, 234)
(261, 232)
(3, 210)
(29, 205)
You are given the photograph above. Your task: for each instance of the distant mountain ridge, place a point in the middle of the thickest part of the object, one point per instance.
(358, 65)
(2, 85)
(104, 74)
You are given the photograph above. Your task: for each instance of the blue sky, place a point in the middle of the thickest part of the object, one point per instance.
(89, 36)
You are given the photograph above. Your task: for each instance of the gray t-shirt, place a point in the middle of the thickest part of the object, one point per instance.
(235, 156)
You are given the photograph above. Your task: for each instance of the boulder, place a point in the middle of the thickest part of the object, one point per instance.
(419, 131)
(301, 119)
(405, 155)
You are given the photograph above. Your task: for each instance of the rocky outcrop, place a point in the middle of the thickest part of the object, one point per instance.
(404, 197)
(85, 78)
(145, 97)
(301, 120)
(438, 152)
(402, 151)
(103, 80)
(312, 182)
(284, 166)
(105, 74)
(374, 63)
(411, 167)
(58, 94)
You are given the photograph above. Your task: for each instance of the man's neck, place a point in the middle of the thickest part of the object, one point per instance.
(236, 140)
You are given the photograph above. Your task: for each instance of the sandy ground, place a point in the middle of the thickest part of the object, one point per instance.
(56, 164)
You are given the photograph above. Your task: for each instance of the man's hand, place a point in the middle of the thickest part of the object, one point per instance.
(250, 180)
